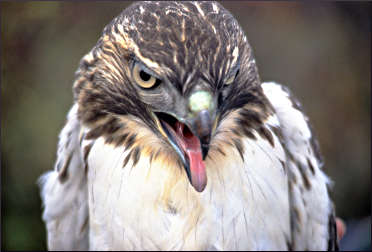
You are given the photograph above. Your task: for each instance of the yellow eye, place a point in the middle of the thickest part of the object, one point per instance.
(143, 78)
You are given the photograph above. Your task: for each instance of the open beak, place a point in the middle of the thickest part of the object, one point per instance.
(190, 138)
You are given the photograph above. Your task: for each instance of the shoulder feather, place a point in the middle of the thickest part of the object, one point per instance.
(64, 192)
(312, 210)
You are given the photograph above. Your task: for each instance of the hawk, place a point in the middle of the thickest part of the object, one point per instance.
(174, 143)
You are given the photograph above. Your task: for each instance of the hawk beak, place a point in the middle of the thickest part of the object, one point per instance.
(202, 126)
(190, 139)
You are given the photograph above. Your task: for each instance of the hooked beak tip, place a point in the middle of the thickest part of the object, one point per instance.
(205, 149)
(203, 128)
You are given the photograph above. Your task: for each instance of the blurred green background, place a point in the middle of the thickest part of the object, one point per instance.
(320, 50)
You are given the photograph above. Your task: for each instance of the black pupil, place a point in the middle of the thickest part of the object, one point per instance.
(144, 76)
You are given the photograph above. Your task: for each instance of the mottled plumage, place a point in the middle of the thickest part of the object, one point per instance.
(173, 142)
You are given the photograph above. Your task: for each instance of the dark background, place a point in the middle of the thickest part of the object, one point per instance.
(320, 50)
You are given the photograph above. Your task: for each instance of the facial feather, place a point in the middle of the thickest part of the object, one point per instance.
(104, 86)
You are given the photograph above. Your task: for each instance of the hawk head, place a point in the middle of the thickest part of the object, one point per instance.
(165, 77)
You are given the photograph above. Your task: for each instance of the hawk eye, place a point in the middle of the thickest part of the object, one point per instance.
(143, 78)
(231, 79)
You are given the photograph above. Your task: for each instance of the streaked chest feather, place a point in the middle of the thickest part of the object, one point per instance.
(153, 206)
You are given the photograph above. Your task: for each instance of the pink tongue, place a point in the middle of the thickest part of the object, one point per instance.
(191, 146)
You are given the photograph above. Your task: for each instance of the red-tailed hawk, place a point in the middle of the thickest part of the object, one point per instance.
(174, 143)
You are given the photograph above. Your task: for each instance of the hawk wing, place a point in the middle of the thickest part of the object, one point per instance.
(312, 212)
(64, 192)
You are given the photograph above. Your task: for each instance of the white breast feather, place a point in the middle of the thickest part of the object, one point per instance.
(235, 211)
